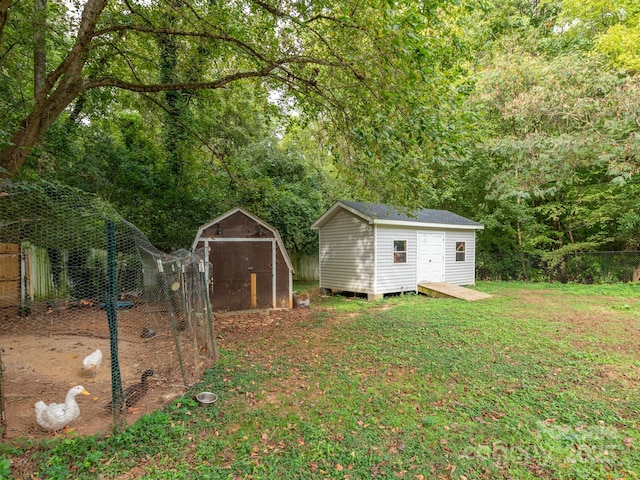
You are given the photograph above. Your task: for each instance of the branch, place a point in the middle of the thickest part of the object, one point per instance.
(213, 85)
(181, 33)
(90, 15)
(137, 13)
(320, 16)
(7, 51)
(203, 141)
(271, 9)
(305, 23)
(126, 59)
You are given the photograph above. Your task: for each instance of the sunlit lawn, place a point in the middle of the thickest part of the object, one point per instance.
(539, 381)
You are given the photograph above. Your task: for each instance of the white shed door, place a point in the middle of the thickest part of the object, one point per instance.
(430, 257)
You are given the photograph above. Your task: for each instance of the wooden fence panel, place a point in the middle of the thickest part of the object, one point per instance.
(306, 266)
(9, 275)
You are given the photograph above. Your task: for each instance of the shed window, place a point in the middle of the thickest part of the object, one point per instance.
(460, 249)
(399, 251)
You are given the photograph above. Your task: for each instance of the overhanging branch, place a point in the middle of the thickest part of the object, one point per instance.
(212, 85)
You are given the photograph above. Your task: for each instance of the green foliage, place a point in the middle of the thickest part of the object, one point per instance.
(559, 161)
(612, 26)
(383, 79)
(283, 180)
(5, 471)
(400, 138)
(519, 114)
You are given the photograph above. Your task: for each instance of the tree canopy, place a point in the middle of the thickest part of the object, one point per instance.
(520, 114)
(341, 59)
(557, 155)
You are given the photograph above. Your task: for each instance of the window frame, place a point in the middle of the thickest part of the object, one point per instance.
(400, 256)
(461, 251)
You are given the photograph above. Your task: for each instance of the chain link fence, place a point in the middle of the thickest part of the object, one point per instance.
(79, 282)
(576, 267)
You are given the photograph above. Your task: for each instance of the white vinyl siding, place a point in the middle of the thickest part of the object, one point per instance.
(357, 252)
(460, 273)
(395, 277)
(346, 254)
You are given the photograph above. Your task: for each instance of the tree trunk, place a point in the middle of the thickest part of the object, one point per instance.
(172, 128)
(60, 88)
(523, 262)
(4, 10)
(33, 127)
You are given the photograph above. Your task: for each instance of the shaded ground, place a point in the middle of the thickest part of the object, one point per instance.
(42, 358)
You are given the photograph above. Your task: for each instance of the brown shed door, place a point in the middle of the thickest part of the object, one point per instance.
(232, 265)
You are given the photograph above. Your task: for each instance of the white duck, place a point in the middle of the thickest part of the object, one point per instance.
(56, 416)
(92, 361)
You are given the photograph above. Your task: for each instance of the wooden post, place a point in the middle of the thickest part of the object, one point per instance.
(274, 275)
(254, 298)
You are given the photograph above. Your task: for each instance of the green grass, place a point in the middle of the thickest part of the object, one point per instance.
(540, 381)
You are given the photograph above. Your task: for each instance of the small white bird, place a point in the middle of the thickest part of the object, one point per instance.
(92, 361)
(56, 416)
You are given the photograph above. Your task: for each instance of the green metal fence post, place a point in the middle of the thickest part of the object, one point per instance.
(117, 393)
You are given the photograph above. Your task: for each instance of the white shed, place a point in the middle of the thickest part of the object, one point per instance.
(376, 249)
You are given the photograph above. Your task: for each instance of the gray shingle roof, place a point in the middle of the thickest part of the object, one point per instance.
(426, 215)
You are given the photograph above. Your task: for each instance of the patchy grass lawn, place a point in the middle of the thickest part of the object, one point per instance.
(539, 381)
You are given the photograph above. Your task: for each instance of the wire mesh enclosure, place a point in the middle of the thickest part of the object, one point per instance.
(85, 299)
(576, 267)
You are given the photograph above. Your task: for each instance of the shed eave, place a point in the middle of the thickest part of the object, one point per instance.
(405, 223)
(320, 222)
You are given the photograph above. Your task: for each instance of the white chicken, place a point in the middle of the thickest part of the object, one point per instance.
(57, 416)
(92, 361)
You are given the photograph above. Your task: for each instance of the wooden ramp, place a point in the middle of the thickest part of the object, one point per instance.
(453, 291)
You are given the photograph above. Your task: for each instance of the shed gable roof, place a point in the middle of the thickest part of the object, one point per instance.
(231, 212)
(375, 213)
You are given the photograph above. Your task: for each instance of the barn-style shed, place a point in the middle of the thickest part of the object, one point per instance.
(376, 249)
(250, 267)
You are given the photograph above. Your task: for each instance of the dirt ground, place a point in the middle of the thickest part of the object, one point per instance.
(42, 358)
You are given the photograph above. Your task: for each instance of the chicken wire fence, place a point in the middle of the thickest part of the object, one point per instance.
(575, 267)
(85, 299)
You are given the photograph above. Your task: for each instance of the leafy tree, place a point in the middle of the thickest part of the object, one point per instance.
(563, 151)
(613, 27)
(365, 66)
(243, 159)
